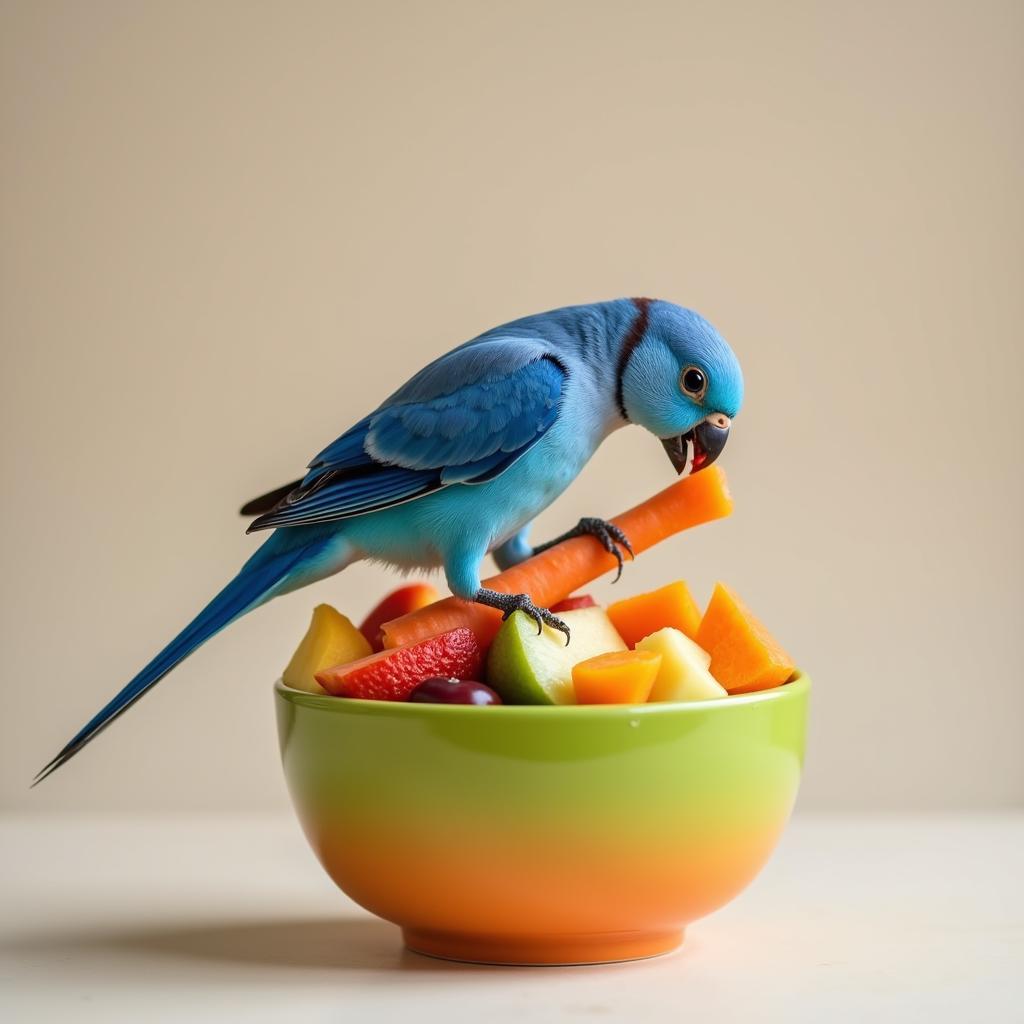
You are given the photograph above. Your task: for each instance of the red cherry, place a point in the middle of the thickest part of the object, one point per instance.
(453, 691)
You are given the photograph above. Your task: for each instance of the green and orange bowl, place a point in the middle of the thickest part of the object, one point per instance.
(541, 835)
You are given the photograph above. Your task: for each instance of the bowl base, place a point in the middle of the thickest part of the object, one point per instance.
(542, 950)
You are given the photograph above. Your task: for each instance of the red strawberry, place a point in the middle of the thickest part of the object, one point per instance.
(392, 675)
(570, 604)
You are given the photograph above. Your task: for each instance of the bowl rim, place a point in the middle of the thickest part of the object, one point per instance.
(796, 688)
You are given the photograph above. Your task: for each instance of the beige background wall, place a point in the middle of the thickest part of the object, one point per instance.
(231, 228)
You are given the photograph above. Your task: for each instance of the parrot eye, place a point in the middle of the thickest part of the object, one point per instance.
(693, 382)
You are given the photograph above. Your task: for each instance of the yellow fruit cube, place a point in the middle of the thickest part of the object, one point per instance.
(684, 671)
(330, 640)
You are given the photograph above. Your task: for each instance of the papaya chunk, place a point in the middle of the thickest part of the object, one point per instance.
(667, 607)
(744, 655)
(619, 677)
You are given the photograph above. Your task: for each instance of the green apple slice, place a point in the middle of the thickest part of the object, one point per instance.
(530, 668)
(684, 671)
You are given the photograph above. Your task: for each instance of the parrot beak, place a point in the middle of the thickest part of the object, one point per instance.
(698, 448)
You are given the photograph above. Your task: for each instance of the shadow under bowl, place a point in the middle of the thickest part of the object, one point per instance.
(543, 835)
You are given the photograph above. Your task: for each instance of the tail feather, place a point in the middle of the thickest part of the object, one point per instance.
(251, 587)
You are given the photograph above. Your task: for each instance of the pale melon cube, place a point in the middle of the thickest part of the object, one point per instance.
(684, 671)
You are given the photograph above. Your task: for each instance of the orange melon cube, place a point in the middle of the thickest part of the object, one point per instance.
(744, 655)
(619, 677)
(668, 607)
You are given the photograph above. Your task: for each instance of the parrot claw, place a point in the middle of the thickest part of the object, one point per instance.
(509, 603)
(610, 536)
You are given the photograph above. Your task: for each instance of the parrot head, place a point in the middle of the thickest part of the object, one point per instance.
(681, 380)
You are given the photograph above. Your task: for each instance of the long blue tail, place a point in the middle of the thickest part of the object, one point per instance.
(257, 581)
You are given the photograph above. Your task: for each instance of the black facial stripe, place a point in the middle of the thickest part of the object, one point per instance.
(637, 329)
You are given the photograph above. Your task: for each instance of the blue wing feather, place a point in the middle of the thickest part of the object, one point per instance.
(346, 450)
(412, 446)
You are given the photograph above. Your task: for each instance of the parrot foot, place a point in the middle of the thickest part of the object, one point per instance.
(509, 603)
(610, 536)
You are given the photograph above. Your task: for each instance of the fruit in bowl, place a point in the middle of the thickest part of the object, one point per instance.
(550, 803)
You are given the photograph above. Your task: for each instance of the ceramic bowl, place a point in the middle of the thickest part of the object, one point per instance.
(543, 835)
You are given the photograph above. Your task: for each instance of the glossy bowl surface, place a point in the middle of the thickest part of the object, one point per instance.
(542, 835)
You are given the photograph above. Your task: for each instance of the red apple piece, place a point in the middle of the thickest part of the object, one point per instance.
(574, 603)
(409, 598)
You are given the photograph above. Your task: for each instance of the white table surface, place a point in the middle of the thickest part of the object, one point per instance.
(204, 918)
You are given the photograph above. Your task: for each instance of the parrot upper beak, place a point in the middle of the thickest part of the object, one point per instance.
(699, 447)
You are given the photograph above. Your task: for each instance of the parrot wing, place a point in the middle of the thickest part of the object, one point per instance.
(464, 419)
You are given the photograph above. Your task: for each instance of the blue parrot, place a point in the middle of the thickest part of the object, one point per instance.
(461, 458)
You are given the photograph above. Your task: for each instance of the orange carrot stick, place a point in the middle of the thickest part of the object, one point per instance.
(554, 574)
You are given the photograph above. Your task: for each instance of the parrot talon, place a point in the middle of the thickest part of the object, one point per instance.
(509, 603)
(611, 537)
